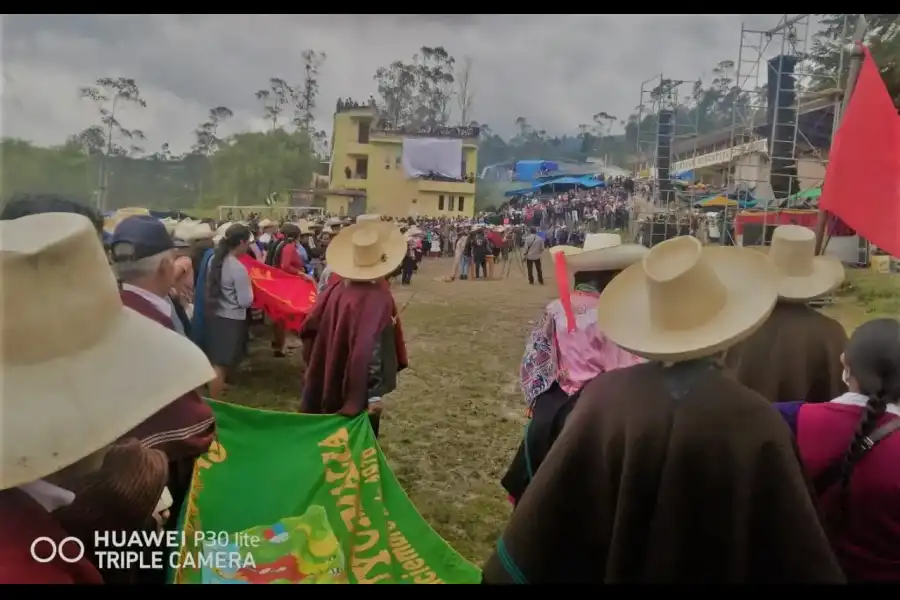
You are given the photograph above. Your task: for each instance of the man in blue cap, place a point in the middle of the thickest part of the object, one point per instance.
(143, 256)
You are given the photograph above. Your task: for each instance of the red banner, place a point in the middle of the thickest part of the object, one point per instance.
(285, 298)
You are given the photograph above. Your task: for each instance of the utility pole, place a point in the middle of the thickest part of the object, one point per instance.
(856, 58)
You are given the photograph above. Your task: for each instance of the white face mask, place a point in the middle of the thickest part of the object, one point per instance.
(265, 238)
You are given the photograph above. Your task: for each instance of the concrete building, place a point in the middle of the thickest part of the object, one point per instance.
(745, 149)
(367, 173)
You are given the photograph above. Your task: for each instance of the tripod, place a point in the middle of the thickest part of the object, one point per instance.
(514, 255)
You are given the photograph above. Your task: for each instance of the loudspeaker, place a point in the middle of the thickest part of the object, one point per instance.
(664, 153)
(782, 119)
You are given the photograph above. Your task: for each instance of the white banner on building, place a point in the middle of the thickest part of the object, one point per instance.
(440, 157)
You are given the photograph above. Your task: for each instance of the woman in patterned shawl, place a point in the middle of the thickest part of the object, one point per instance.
(566, 349)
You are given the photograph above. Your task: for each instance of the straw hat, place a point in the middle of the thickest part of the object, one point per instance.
(170, 225)
(685, 301)
(366, 251)
(265, 223)
(567, 250)
(414, 231)
(801, 274)
(220, 232)
(57, 279)
(191, 231)
(369, 218)
(605, 252)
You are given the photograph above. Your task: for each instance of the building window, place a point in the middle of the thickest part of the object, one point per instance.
(363, 135)
(462, 203)
(450, 202)
(441, 202)
(362, 168)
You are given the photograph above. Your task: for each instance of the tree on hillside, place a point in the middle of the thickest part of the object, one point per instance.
(208, 140)
(882, 37)
(254, 165)
(465, 91)
(307, 92)
(110, 95)
(418, 93)
(275, 99)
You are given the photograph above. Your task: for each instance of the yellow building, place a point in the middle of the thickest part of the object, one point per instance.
(366, 175)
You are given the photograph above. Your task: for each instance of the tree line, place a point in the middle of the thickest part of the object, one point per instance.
(108, 163)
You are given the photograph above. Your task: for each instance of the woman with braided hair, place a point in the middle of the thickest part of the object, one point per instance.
(851, 450)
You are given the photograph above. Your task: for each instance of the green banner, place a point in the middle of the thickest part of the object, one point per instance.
(291, 498)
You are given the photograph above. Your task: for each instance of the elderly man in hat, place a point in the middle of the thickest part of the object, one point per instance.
(143, 257)
(79, 371)
(796, 354)
(352, 340)
(671, 471)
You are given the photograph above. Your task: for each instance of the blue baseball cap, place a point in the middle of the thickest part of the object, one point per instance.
(141, 236)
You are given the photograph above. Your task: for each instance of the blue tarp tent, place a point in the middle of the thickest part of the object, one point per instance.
(528, 170)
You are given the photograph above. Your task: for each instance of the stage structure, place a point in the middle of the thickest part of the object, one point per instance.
(782, 126)
(666, 104)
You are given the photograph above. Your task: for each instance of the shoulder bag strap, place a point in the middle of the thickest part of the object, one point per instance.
(830, 476)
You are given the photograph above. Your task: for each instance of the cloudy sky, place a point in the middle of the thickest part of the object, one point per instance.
(555, 70)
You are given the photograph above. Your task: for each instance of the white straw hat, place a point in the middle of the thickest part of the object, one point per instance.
(605, 252)
(567, 250)
(366, 251)
(191, 231)
(685, 301)
(369, 218)
(802, 275)
(79, 369)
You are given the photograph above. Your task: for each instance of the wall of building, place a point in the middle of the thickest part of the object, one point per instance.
(388, 190)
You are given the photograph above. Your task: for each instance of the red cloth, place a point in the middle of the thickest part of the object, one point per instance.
(495, 238)
(290, 261)
(862, 182)
(285, 298)
(868, 545)
(562, 286)
(338, 339)
(22, 520)
(177, 429)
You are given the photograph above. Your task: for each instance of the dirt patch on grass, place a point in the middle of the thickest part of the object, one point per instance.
(452, 426)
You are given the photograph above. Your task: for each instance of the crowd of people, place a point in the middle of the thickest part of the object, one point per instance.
(680, 399)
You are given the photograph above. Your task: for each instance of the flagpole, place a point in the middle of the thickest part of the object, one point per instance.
(856, 57)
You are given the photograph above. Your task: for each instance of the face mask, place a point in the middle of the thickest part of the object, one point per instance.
(845, 377)
(265, 238)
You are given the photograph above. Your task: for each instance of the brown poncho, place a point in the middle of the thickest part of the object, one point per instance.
(652, 482)
(795, 355)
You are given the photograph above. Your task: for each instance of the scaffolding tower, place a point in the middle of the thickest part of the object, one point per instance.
(780, 135)
(661, 96)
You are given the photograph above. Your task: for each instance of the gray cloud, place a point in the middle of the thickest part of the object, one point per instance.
(556, 70)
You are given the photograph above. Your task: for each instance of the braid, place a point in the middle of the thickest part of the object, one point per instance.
(875, 409)
(214, 278)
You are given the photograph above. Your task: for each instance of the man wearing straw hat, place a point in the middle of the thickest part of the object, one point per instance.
(796, 354)
(79, 371)
(671, 471)
(352, 340)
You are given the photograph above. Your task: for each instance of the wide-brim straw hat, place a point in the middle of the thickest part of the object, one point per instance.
(802, 275)
(605, 252)
(366, 251)
(265, 223)
(192, 231)
(414, 231)
(369, 218)
(686, 301)
(64, 319)
(567, 250)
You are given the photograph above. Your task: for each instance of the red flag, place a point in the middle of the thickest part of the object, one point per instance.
(862, 182)
(562, 286)
(285, 298)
